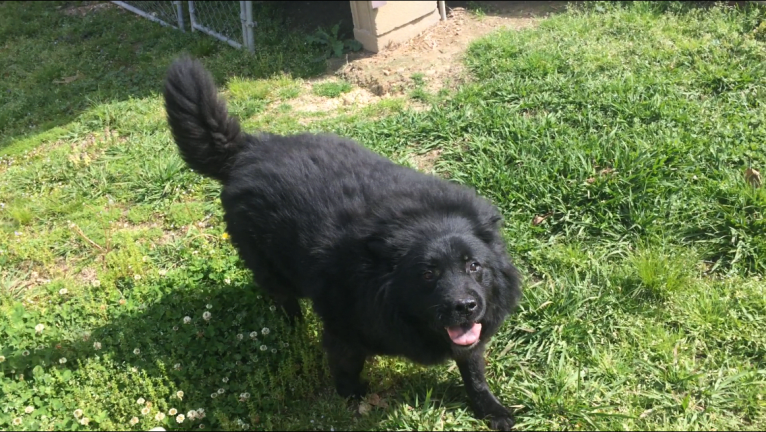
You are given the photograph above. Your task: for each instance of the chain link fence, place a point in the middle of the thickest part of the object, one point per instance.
(228, 21)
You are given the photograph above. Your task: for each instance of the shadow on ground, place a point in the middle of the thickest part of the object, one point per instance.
(289, 389)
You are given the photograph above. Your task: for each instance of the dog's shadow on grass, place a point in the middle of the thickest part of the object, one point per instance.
(244, 346)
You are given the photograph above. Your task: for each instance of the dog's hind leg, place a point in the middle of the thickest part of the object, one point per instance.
(275, 284)
(278, 289)
(346, 364)
(290, 306)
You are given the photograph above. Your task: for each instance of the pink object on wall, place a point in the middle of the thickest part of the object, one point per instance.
(377, 4)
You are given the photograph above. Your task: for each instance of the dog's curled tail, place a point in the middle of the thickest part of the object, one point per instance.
(208, 139)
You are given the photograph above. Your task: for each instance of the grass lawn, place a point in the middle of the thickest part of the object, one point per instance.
(615, 139)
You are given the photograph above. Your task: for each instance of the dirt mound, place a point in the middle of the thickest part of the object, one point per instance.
(435, 56)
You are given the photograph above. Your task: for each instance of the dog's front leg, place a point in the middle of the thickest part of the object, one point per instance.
(483, 402)
(346, 364)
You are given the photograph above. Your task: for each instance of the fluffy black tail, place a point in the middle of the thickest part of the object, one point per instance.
(208, 139)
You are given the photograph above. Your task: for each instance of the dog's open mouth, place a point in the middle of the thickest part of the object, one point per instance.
(465, 334)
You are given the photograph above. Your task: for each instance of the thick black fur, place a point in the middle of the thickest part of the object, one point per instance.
(389, 256)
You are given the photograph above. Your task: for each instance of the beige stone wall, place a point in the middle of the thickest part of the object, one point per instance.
(393, 22)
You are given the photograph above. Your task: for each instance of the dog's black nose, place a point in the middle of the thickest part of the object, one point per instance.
(465, 306)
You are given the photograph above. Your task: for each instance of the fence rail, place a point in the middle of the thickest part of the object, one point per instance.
(160, 12)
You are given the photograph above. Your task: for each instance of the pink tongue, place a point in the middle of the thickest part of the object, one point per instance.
(464, 335)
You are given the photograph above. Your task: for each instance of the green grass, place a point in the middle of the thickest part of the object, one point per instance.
(115, 55)
(331, 89)
(629, 126)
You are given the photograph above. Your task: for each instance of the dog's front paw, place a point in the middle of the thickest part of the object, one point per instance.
(355, 390)
(502, 423)
(499, 418)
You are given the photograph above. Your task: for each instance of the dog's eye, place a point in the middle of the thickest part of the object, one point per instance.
(428, 275)
(474, 267)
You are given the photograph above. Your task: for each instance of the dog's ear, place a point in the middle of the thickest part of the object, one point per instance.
(384, 252)
(487, 230)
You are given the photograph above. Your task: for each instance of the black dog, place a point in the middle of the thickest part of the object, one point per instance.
(395, 262)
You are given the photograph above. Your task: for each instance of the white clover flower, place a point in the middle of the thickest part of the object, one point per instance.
(162, 272)
(221, 391)
(180, 418)
(240, 336)
(265, 331)
(63, 291)
(97, 345)
(136, 351)
(172, 411)
(134, 421)
(17, 421)
(96, 283)
(285, 344)
(206, 316)
(175, 328)
(272, 308)
(78, 413)
(227, 281)
(25, 353)
(84, 421)
(145, 410)
(202, 426)
(177, 366)
(225, 380)
(264, 347)
(253, 335)
(201, 412)
(29, 409)
(62, 360)
(159, 416)
(39, 328)
(2, 359)
(187, 320)
(180, 394)
(191, 415)
(140, 401)
(137, 277)
(273, 350)
(213, 395)
(209, 306)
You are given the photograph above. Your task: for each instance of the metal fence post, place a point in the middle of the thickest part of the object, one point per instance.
(180, 13)
(250, 26)
(243, 20)
(192, 21)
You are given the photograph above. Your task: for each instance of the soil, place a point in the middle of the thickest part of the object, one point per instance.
(437, 52)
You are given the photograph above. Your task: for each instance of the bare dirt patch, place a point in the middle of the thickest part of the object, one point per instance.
(436, 54)
(426, 162)
(85, 8)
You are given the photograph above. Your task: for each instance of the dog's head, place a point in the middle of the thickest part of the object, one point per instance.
(451, 274)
